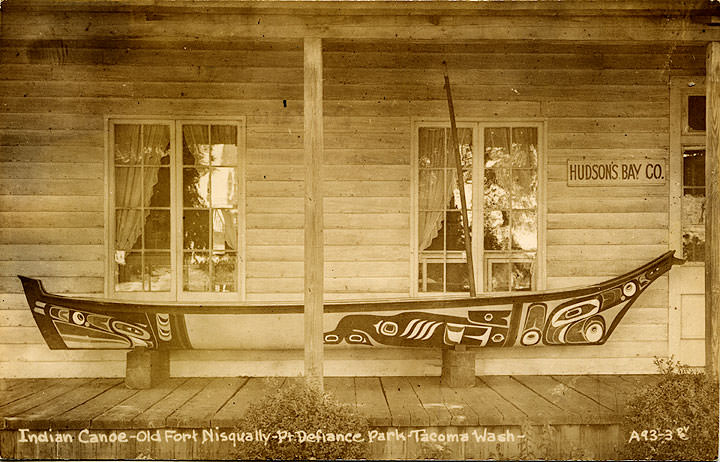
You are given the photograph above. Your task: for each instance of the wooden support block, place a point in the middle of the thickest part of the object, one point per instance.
(458, 368)
(146, 368)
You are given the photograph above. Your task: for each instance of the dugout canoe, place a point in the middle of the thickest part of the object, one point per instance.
(577, 316)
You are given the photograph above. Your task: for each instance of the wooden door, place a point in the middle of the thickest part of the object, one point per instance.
(687, 232)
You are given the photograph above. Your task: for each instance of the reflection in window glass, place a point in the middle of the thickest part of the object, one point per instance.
(510, 215)
(210, 200)
(693, 204)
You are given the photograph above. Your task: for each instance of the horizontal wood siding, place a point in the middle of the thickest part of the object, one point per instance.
(599, 101)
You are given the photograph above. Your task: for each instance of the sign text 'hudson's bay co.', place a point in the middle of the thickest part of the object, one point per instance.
(616, 172)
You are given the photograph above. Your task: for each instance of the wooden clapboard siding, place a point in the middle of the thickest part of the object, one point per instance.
(599, 102)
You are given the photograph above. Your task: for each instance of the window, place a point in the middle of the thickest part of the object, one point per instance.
(695, 113)
(510, 218)
(175, 195)
(693, 204)
(508, 215)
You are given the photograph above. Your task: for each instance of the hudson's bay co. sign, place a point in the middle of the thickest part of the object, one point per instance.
(616, 172)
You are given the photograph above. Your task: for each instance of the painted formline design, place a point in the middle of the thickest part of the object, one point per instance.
(580, 316)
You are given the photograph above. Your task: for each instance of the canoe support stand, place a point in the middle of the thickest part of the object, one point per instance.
(458, 367)
(146, 368)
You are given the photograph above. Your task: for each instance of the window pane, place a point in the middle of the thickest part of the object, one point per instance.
(524, 189)
(224, 187)
(431, 147)
(694, 245)
(500, 277)
(158, 269)
(225, 277)
(524, 151)
(196, 187)
(429, 228)
(457, 277)
(521, 276)
(128, 187)
(432, 193)
(455, 232)
(196, 229)
(497, 188)
(435, 277)
(161, 191)
(224, 144)
(497, 147)
(156, 144)
(694, 167)
(497, 230)
(696, 113)
(157, 229)
(196, 145)
(128, 145)
(196, 272)
(455, 201)
(524, 231)
(465, 141)
(693, 207)
(224, 229)
(128, 229)
(129, 271)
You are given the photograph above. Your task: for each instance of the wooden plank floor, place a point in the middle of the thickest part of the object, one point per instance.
(386, 401)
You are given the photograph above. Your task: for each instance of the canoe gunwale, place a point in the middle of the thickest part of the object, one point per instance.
(34, 289)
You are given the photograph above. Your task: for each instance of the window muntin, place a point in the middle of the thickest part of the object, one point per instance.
(693, 204)
(210, 199)
(441, 232)
(510, 200)
(175, 193)
(507, 214)
(142, 207)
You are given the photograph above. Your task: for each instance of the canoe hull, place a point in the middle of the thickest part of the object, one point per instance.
(584, 316)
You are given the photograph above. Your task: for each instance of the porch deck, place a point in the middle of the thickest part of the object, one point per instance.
(573, 404)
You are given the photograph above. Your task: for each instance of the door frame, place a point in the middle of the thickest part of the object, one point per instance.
(680, 135)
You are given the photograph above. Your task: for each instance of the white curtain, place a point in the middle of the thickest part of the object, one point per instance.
(434, 192)
(198, 142)
(134, 185)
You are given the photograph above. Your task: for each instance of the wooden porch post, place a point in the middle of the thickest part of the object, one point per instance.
(712, 210)
(314, 258)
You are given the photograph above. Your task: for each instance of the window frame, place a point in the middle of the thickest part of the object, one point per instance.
(176, 293)
(681, 138)
(480, 256)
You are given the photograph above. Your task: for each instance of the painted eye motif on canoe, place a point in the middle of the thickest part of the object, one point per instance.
(332, 339)
(531, 337)
(594, 329)
(388, 328)
(590, 330)
(78, 318)
(563, 325)
(629, 289)
(130, 330)
(358, 337)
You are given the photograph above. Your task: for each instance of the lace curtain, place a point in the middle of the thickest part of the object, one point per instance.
(136, 146)
(434, 192)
